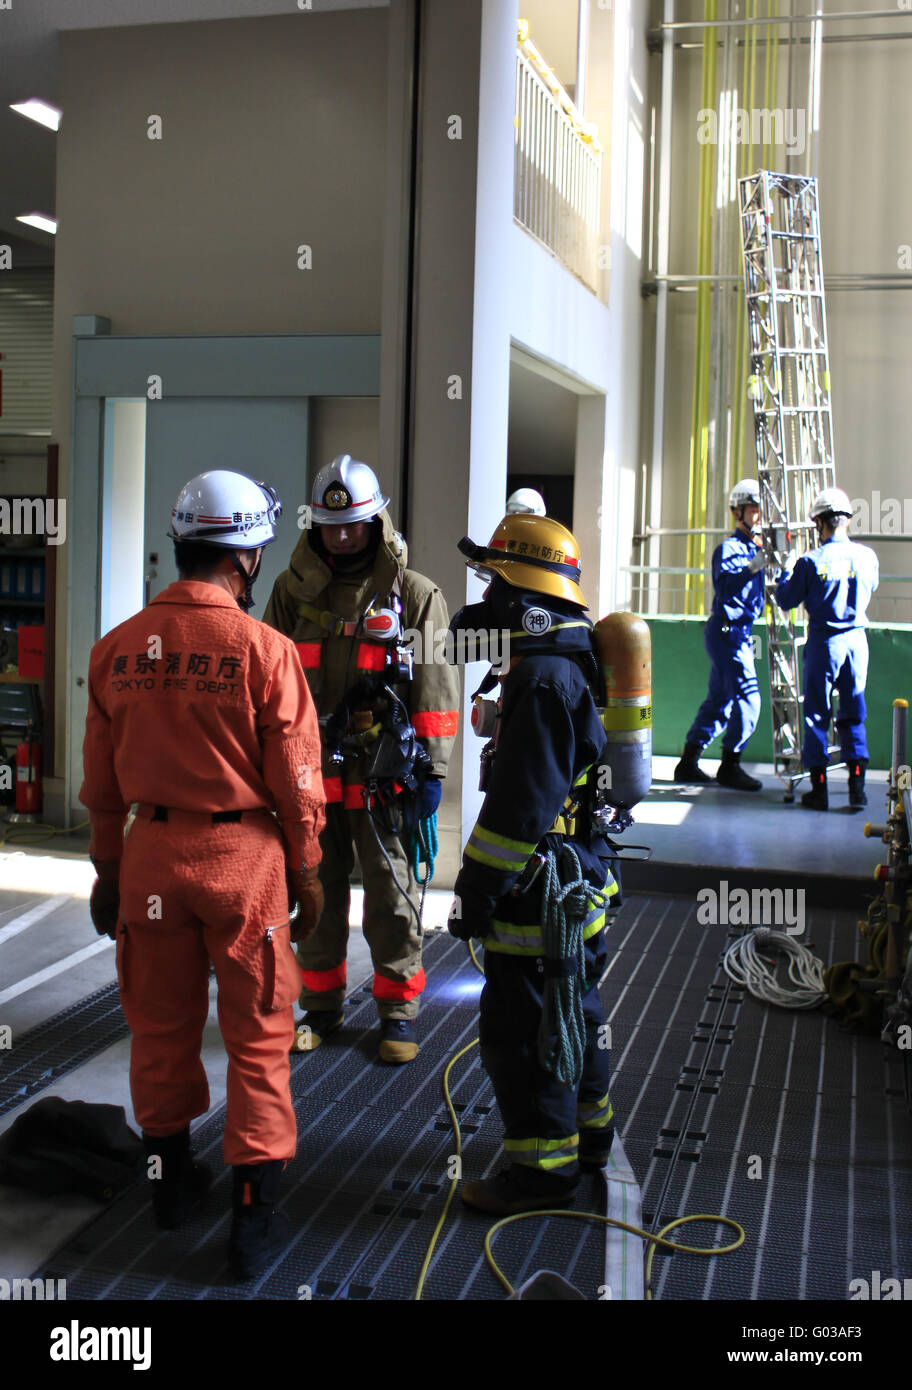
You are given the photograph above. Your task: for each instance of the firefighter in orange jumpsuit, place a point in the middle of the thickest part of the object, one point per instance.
(201, 717)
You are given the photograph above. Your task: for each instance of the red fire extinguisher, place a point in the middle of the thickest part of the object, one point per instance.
(28, 775)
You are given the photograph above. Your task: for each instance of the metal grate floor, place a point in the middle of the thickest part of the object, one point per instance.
(46, 1053)
(778, 1119)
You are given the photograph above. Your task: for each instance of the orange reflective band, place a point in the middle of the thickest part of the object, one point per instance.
(322, 981)
(371, 657)
(400, 990)
(332, 788)
(309, 652)
(436, 723)
(353, 796)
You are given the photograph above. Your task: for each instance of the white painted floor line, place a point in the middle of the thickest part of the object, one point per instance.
(34, 914)
(31, 981)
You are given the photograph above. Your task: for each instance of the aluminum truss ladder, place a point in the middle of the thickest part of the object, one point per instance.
(789, 385)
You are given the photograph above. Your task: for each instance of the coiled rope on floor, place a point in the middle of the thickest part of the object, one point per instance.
(744, 964)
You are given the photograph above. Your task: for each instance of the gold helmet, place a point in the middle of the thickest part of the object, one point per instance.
(534, 553)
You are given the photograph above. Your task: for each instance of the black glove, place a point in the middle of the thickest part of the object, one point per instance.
(465, 923)
(104, 902)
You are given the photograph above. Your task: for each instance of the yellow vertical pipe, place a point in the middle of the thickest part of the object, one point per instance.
(774, 71)
(696, 545)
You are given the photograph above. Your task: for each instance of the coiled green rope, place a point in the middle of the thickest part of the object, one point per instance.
(562, 1032)
(422, 848)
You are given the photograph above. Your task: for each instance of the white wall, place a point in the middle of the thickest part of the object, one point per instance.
(865, 218)
(273, 137)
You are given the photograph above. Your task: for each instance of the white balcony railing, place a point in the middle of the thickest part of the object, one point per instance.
(558, 168)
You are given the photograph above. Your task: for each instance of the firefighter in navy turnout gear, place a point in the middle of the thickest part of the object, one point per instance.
(388, 719)
(733, 700)
(835, 583)
(536, 771)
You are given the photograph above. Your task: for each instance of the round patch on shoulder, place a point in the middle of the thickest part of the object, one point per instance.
(536, 621)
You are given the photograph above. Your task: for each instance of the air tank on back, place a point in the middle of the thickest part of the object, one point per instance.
(624, 650)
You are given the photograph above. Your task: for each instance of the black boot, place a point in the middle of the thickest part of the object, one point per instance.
(857, 795)
(688, 769)
(731, 774)
(816, 799)
(258, 1231)
(179, 1184)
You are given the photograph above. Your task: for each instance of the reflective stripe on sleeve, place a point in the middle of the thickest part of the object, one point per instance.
(436, 723)
(498, 851)
(595, 1114)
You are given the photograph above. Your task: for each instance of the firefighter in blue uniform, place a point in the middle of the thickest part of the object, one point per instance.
(733, 700)
(547, 735)
(835, 583)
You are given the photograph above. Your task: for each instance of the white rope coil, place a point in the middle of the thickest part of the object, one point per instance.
(744, 964)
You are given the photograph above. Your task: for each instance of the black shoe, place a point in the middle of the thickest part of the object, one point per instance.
(857, 795)
(258, 1231)
(179, 1184)
(688, 769)
(816, 799)
(398, 1040)
(316, 1025)
(731, 774)
(500, 1196)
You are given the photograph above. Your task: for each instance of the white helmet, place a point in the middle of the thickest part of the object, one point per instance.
(226, 509)
(346, 491)
(526, 499)
(745, 493)
(831, 502)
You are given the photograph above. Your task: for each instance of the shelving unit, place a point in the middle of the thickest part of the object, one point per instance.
(21, 697)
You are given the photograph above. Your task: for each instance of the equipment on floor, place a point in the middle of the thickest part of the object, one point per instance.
(789, 385)
(745, 964)
(61, 1145)
(876, 997)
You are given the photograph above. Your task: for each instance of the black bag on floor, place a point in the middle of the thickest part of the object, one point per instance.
(71, 1146)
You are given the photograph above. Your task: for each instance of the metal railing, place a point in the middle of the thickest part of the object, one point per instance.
(557, 187)
(660, 591)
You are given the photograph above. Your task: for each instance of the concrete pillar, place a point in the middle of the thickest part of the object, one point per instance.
(608, 426)
(461, 324)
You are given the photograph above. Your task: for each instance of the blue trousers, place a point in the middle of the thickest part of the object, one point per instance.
(838, 663)
(733, 700)
(544, 1120)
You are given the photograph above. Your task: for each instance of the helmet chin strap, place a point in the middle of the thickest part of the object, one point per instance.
(245, 600)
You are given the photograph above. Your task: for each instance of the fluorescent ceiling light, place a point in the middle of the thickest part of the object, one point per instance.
(38, 219)
(38, 111)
